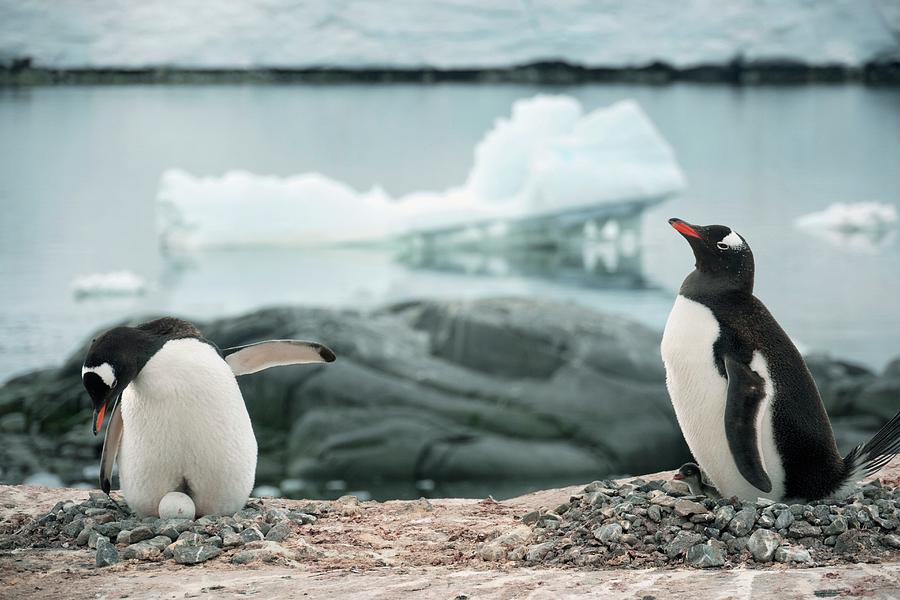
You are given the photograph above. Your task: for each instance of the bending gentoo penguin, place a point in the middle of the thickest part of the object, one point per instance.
(746, 403)
(692, 476)
(177, 420)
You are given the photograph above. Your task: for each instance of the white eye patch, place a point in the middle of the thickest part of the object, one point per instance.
(105, 371)
(732, 240)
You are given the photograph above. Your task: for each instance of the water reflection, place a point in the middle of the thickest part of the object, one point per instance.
(597, 247)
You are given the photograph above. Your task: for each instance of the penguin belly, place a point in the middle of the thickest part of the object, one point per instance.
(186, 428)
(699, 394)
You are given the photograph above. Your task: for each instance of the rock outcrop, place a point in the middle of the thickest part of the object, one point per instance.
(443, 391)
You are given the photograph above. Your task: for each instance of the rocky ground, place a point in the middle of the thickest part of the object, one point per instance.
(437, 392)
(447, 548)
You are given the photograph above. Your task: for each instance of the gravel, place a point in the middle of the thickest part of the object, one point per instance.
(116, 534)
(656, 523)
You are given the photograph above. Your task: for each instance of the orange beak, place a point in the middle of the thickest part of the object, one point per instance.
(99, 421)
(683, 228)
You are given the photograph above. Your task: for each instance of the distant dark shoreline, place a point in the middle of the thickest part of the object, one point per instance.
(21, 73)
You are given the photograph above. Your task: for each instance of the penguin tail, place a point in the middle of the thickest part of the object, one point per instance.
(866, 459)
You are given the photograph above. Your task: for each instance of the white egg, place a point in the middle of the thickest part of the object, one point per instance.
(176, 505)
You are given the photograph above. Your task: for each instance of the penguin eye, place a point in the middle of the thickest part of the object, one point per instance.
(722, 246)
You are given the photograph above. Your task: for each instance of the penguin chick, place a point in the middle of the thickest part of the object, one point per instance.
(691, 475)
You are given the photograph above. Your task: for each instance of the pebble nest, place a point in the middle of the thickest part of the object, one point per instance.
(116, 534)
(655, 523)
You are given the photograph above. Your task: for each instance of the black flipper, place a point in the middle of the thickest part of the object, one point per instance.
(252, 358)
(746, 391)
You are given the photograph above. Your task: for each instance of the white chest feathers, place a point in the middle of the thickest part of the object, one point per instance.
(699, 395)
(185, 428)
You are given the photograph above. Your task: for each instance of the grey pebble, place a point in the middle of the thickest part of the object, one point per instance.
(762, 544)
(172, 528)
(838, 525)
(706, 555)
(146, 549)
(190, 537)
(251, 534)
(278, 532)
(742, 522)
(93, 536)
(139, 534)
(784, 520)
(537, 552)
(801, 529)
(611, 532)
(185, 554)
(683, 540)
(785, 554)
(106, 553)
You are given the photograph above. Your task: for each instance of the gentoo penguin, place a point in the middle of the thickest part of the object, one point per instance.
(177, 420)
(692, 476)
(746, 403)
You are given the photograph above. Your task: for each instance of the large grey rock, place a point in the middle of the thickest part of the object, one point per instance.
(444, 391)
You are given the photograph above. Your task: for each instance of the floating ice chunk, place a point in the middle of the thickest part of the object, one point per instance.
(862, 226)
(547, 157)
(851, 218)
(503, 158)
(116, 283)
(244, 209)
(611, 154)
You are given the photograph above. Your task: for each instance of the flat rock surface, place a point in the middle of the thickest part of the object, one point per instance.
(421, 549)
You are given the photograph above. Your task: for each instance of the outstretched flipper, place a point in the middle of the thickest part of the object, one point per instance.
(252, 358)
(111, 446)
(746, 391)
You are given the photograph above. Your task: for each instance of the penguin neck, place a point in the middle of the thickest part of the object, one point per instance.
(704, 283)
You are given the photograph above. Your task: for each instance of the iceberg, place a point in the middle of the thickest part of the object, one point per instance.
(862, 226)
(547, 157)
(116, 283)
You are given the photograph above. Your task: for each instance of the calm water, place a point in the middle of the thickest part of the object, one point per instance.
(79, 170)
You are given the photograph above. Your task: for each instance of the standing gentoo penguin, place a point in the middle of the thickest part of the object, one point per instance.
(746, 403)
(177, 420)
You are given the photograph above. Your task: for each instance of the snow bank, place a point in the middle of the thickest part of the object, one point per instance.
(548, 156)
(117, 283)
(444, 33)
(864, 226)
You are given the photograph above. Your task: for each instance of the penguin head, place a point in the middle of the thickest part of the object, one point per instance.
(721, 254)
(687, 471)
(113, 360)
